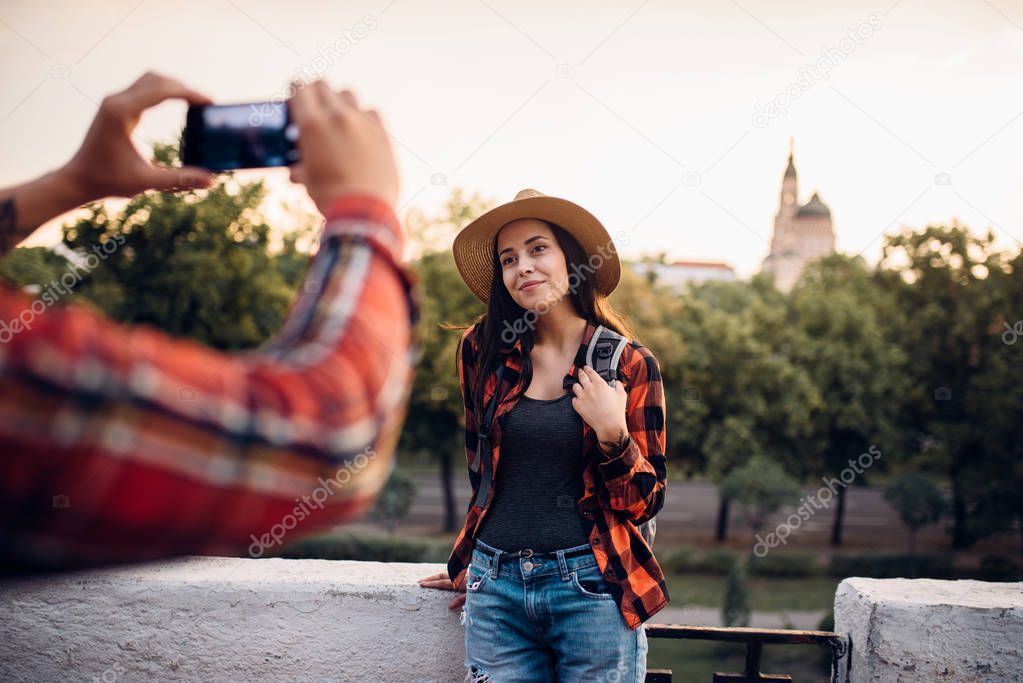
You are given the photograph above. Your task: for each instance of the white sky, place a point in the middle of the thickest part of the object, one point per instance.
(650, 127)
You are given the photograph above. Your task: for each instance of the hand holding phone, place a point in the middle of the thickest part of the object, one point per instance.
(332, 145)
(343, 148)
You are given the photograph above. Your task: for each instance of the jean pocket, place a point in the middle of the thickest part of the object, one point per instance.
(590, 582)
(475, 577)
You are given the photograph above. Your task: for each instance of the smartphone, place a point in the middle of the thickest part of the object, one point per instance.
(224, 137)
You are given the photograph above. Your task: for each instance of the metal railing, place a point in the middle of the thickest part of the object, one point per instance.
(755, 639)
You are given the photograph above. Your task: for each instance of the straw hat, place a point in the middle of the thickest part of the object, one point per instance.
(474, 245)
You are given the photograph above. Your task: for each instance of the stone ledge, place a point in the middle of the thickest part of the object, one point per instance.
(216, 618)
(932, 630)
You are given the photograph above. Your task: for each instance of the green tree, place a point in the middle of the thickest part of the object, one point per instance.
(741, 396)
(859, 375)
(918, 501)
(395, 500)
(195, 264)
(33, 266)
(995, 474)
(947, 326)
(761, 487)
(436, 421)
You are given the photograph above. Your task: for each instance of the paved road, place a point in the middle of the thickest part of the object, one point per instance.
(690, 511)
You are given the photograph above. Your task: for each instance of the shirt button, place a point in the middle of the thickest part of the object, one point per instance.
(596, 541)
(593, 489)
(609, 573)
(527, 565)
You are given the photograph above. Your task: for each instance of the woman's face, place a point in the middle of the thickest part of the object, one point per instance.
(528, 253)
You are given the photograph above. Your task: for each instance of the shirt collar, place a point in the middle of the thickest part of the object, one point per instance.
(516, 348)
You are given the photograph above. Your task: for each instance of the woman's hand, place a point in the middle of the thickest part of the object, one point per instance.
(600, 405)
(442, 582)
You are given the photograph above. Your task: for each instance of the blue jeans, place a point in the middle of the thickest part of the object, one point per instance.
(546, 618)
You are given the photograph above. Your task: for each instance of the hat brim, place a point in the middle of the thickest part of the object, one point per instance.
(473, 246)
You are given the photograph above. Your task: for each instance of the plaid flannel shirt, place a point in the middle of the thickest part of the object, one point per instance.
(121, 443)
(621, 489)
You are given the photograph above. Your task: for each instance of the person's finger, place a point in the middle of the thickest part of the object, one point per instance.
(584, 378)
(305, 107)
(298, 174)
(435, 579)
(327, 98)
(374, 116)
(157, 88)
(348, 97)
(184, 178)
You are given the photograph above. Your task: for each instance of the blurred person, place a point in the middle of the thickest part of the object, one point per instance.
(120, 443)
(556, 579)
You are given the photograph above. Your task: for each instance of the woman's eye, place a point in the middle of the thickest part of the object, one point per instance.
(509, 259)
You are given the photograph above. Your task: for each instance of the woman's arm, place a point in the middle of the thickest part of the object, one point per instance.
(635, 475)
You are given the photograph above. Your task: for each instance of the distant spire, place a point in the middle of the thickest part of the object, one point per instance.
(790, 170)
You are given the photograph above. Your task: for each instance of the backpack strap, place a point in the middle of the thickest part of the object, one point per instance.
(604, 351)
(484, 452)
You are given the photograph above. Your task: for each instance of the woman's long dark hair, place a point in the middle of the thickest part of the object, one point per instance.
(587, 302)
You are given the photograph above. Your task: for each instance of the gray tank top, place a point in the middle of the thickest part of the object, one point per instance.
(539, 479)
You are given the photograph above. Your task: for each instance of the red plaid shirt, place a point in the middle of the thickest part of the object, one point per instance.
(620, 490)
(121, 443)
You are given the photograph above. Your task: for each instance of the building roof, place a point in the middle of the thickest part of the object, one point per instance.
(790, 170)
(702, 264)
(814, 207)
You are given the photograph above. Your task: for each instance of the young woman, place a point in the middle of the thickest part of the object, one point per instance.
(557, 578)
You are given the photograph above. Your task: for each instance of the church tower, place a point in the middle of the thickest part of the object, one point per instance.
(801, 233)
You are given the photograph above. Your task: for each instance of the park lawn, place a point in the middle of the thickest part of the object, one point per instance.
(765, 593)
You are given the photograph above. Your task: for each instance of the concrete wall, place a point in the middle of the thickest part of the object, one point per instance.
(214, 618)
(232, 619)
(930, 630)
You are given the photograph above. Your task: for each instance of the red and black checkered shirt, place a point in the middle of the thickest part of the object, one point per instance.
(620, 490)
(120, 443)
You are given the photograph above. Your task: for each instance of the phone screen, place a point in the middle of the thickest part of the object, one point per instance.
(223, 137)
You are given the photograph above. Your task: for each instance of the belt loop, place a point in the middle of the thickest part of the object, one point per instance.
(495, 563)
(563, 564)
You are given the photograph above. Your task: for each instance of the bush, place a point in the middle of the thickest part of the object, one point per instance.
(347, 546)
(735, 611)
(678, 560)
(685, 559)
(892, 566)
(716, 562)
(994, 568)
(793, 563)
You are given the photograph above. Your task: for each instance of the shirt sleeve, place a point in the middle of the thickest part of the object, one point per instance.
(122, 443)
(636, 477)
